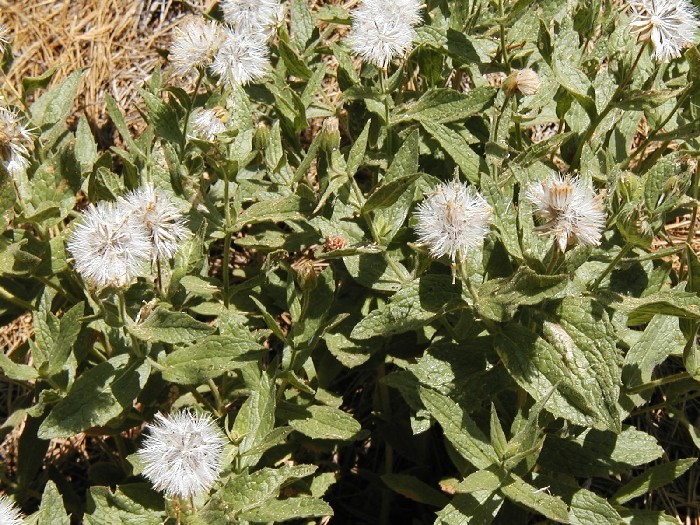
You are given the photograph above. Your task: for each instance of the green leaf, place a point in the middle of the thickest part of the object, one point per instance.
(414, 489)
(166, 326)
(455, 143)
(302, 24)
(51, 510)
(117, 117)
(162, 117)
(63, 340)
(575, 353)
(499, 299)
(646, 517)
(286, 208)
(100, 394)
(416, 304)
(459, 429)
(17, 371)
(255, 420)
(132, 504)
(478, 508)
(444, 105)
(208, 359)
(387, 194)
(587, 508)
(652, 479)
(640, 310)
(85, 146)
(288, 509)
(31, 84)
(599, 453)
(325, 422)
(357, 152)
(294, 63)
(525, 494)
(55, 105)
(246, 491)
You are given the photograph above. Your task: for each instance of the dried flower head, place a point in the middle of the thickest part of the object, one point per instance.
(670, 25)
(571, 210)
(16, 142)
(242, 58)
(161, 219)
(194, 45)
(208, 123)
(452, 219)
(525, 81)
(9, 513)
(253, 16)
(384, 29)
(109, 246)
(182, 454)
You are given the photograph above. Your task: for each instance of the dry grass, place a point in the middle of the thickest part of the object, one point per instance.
(117, 40)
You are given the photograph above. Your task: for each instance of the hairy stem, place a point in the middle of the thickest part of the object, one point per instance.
(626, 248)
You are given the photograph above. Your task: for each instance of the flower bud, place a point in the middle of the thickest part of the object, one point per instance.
(261, 137)
(306, 273)
(331, 134)
(525, 81)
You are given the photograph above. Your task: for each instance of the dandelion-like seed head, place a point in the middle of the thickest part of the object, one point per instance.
(258, 17)
(670, 25)
(208, 123)
(9, 513)
(194, 45)
(383, 29)
(110, 248)
(162, 221)
(571, 211)
(16, 142)
(182, 454)
(242, 58)
(452, 219)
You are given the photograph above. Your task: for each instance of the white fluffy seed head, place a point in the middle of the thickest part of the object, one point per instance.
(384, 29)
(208, 123)
(195, 42)
(109, 246)
(9, 513)
(258, 17)
(182, 454)
(4, 35)
(242, 58)
(16, 142)
(162, 221)
(571, 211)
(452, 219)
(670, 25)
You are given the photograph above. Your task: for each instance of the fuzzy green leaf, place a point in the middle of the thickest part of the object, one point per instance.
(288, 509)
(652, 479)
(445, 105)
(131, 504)
(325, 422)
(166, 326)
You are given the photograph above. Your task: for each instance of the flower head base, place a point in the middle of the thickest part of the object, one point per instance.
(384, 29)
(670, 25)
(194, 45)
(109, 246)
(570, 209)
(16, 142)
(253, 16)
(452, 219)
(182, 454)
(9, 513)
(242, 58)
(208, 123)
(525, 81)
(162, 221)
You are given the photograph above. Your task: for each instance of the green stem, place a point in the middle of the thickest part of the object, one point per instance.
(188, 111)
(626, 248)
(588, 134)
(693, 219)
(502, 29)
(7, 296)
(400, 272)
(126, 320)
(227, 239)
(217, 397)
(553, 260)
(387, 111)
(659, 382)
(518, 132)
(639, 149)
